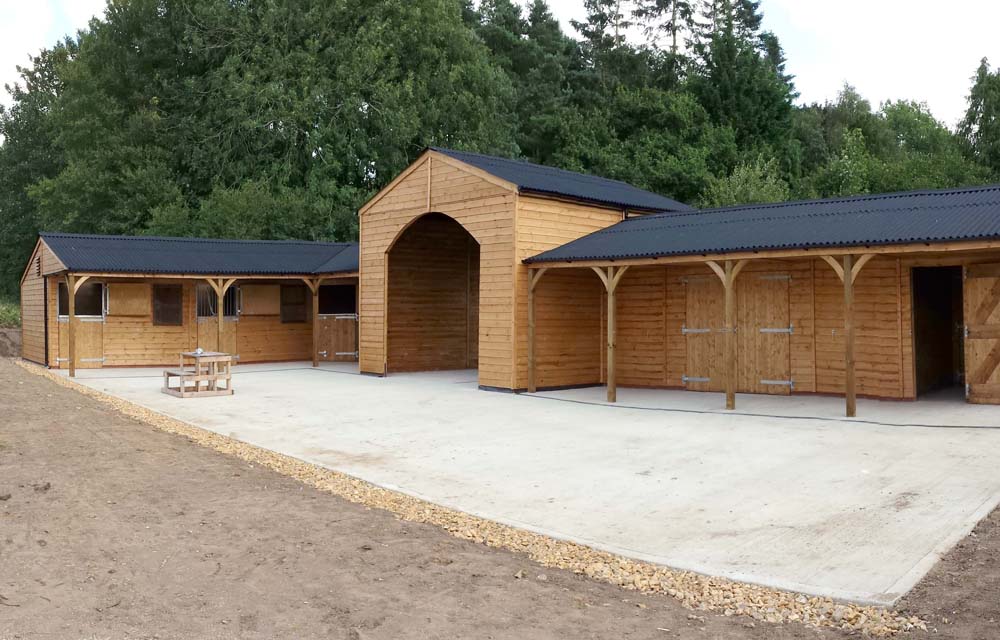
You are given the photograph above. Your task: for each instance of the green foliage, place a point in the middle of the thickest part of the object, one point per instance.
(279, 118)
(10, 313)
(749, 183)
(981, 125)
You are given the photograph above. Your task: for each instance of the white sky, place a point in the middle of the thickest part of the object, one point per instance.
(888, 49)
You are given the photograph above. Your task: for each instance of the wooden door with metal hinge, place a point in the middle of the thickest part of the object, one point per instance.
(89, 342)
(338, 337)
(763, 339)
(704, 332)
(981, 293)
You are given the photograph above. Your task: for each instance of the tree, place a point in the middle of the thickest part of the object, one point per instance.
(749, 183)
(981, 125)
(738, 77)
(28, 153)
(674, 20)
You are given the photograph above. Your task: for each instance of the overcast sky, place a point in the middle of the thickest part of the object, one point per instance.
(888, 49)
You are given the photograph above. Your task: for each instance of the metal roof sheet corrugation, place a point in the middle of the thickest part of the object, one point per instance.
(202, 256)
(550, 180)
(896, 218)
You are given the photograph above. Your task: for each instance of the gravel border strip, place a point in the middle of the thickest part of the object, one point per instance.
(695, 591)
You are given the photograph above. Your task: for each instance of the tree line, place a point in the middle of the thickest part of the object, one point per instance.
(279, 118)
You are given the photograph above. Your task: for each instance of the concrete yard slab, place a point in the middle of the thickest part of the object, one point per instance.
(784, 492)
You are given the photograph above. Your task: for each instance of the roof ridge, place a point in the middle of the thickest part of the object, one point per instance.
(540, 166)
(98, 236)
(497, 165)
(889, 195)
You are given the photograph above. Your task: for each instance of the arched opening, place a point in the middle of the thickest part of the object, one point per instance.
(433, 297)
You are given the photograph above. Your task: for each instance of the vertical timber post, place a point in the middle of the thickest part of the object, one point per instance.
(612, 382)
(71, 324)
(533, 278)
(314, 288)
(730, 325)
(727, 274)
(220, 329)
(611, 278)
(849, 381)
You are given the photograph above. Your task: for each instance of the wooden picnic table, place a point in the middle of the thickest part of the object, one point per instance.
(202, 378)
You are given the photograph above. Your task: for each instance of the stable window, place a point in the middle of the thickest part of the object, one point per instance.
(293, 303)
(208, 301)
(168, 305)
(91, 300)
(337, 299)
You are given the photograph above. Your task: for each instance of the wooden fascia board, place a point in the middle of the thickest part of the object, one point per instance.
(34, 253)
(888, 250)
(38, 246)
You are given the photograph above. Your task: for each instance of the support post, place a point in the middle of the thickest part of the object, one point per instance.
(220, 286)
(71, 324)
(533, 278)
(612, 380)
(727, 274)
(730, 336)
(848, 272)
(221, 310)
(314, 287)
(611, 278)
(849, 381)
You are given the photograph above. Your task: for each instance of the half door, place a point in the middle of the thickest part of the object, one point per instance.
(982, 333)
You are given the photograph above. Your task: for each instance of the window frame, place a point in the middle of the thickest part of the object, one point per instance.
(233, 299)
(153, 305)
(63, 286)
(304, 304)
(354, 300)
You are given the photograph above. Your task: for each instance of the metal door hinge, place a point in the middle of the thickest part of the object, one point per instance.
(346, 353)
(790, 329)
(687, 379)
(321, 353)
(779, 383)
(685, 330)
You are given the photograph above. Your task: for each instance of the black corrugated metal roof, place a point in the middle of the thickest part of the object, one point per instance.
(550, 180)
(893, 218)
(200, 256)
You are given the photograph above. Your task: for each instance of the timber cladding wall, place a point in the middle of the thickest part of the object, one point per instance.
(128, 336)
(433, 297)
(670, 321)
(33, 294)
(568, 307)
(484, 207)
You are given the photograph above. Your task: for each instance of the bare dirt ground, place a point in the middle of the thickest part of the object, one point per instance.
(110, 528)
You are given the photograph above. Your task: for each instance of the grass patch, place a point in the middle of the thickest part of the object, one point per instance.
(10, 313)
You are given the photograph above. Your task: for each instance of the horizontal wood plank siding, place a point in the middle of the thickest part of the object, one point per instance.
(133, 340)
(652, 351)
(544, 224)
(568, 327)
(486, 211)
(33, 311)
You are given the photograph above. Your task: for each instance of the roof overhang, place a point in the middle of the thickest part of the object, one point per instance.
(951, 246)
